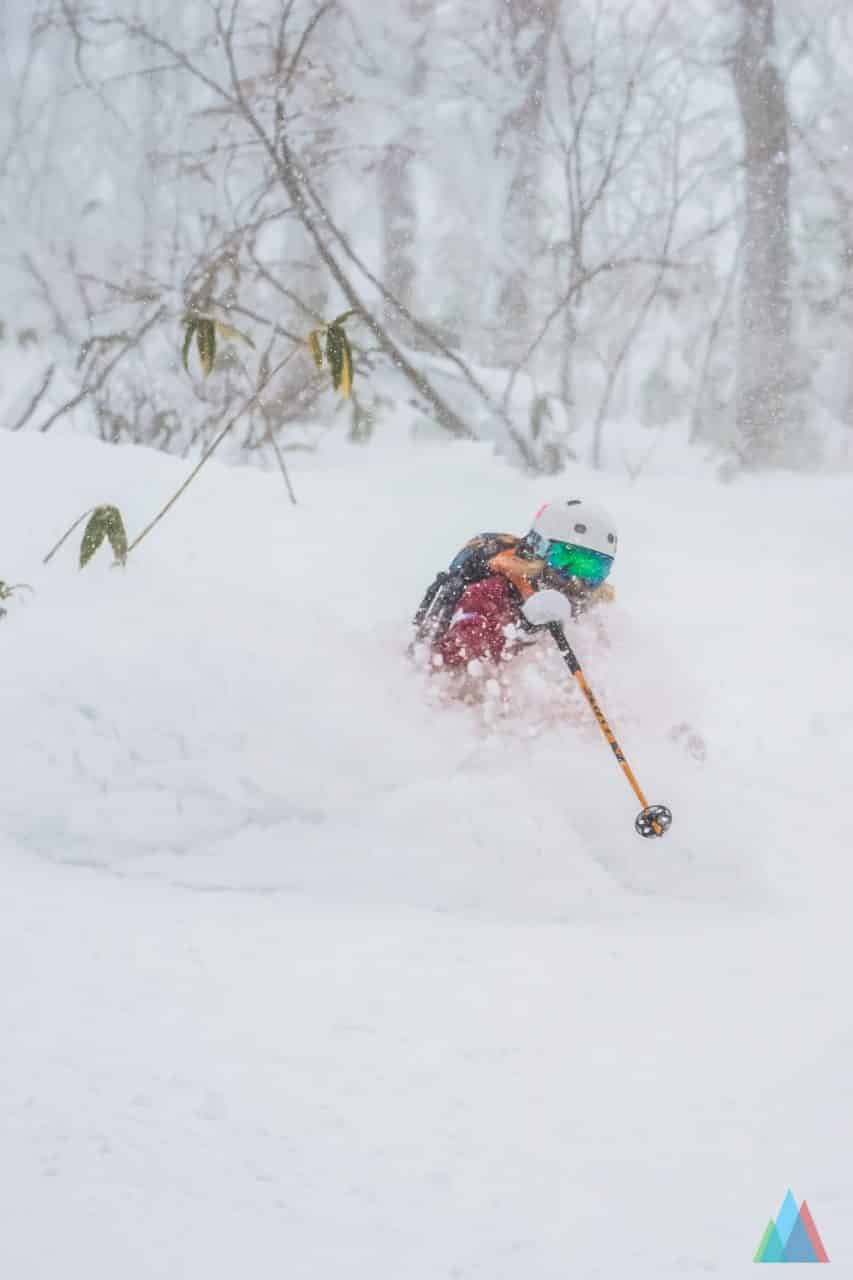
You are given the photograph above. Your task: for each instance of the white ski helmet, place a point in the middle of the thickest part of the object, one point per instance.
(582, 524)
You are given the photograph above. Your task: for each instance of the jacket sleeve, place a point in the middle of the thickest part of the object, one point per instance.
(477, 628)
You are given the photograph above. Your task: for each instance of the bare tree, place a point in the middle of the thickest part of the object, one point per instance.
(531, 204)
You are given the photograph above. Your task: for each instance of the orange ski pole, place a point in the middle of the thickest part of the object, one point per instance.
(653, 819)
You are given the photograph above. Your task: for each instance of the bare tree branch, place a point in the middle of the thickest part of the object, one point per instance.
(88, 390)
(35, 400)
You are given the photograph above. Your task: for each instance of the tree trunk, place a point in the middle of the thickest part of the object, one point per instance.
(766, 383)
(531, 25)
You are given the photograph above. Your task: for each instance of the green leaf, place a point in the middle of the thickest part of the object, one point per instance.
(185, 353)
(206, 342)
(315, 348)
(105, 522)
(347, 315)
(335, 353)
(204, 330)
(116, 533)
(339, 356)
(93, 536)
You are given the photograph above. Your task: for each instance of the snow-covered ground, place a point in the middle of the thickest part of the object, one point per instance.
(307, 975)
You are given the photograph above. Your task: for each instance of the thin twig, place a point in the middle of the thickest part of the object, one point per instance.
(208, 453)
(105, 372)
(59, 320)
(303, 40)
(35, 401)
(280, 458)
(66, 536)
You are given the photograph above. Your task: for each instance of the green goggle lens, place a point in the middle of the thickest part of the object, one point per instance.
(578, 562)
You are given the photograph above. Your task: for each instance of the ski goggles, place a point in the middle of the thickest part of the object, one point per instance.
(570, 561)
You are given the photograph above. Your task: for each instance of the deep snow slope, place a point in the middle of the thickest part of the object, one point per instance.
(308, 972)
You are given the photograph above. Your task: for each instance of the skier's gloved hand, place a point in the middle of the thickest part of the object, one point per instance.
(547, 606)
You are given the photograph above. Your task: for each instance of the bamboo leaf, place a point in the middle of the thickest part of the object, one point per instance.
(339, 356)
(335, 353)
(206, 342)
(346, 371)
(105, 522)
(316, 349)
(116, 533)
(185, 353)
(93, 536)
(228, 331)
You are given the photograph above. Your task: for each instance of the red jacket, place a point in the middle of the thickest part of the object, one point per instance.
(478, 627)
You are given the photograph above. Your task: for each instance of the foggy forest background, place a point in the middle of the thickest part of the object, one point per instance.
(553, 220)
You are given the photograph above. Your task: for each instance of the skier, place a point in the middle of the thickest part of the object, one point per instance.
(499, 588)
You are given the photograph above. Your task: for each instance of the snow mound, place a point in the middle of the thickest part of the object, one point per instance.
(234, 711)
